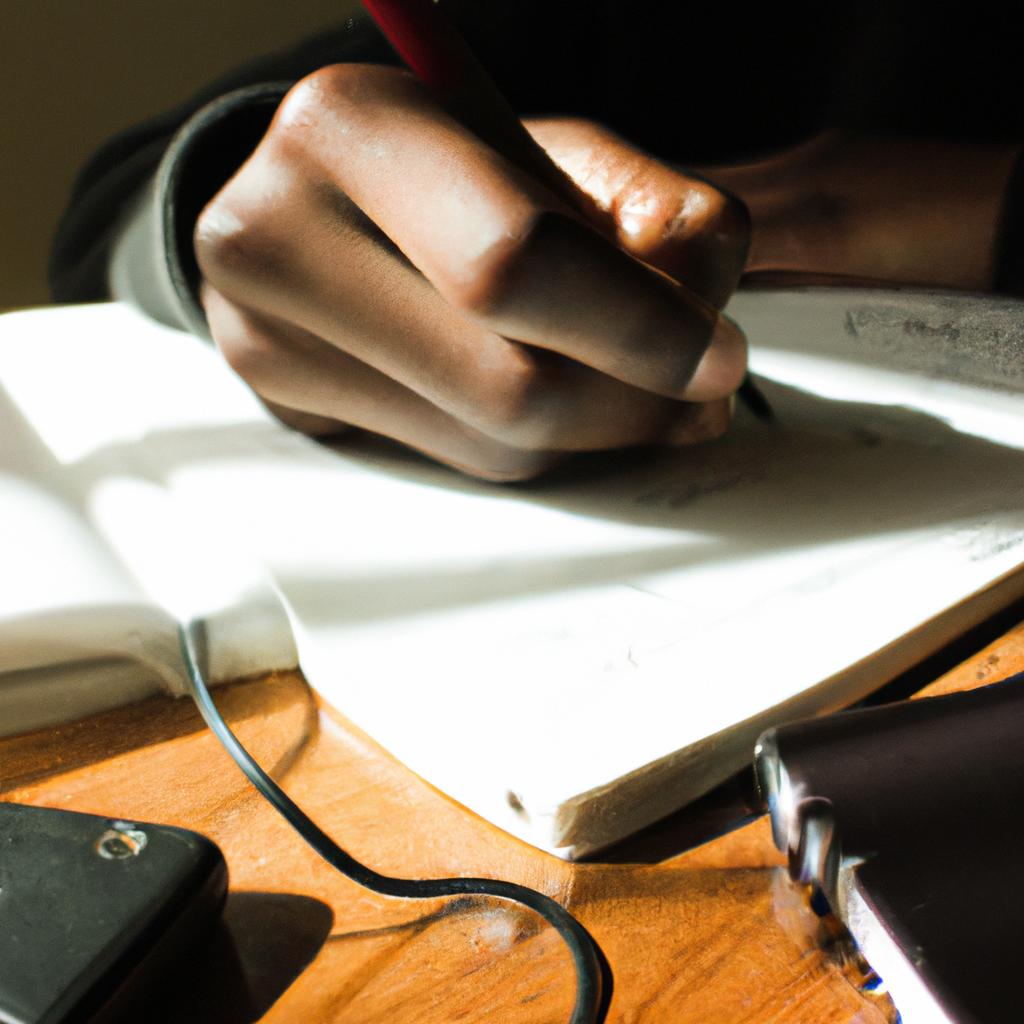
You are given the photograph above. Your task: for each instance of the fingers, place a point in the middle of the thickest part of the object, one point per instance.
(314, 386)
(684, 226)
(532, 402)
(498, 246)
(566, 289)
(308, 381)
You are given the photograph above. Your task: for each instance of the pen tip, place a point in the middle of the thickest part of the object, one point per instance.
(753, 398)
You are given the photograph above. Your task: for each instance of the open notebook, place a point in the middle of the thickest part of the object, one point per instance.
(572, 659)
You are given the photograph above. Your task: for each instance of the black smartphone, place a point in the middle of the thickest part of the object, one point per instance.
(94, 909)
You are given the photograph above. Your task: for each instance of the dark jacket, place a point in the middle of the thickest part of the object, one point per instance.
(690, 82)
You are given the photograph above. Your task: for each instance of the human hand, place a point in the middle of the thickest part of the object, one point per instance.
(374, 264)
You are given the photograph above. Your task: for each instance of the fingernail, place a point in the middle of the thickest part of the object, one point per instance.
(722, 366)
(727, 332)
(701, 423)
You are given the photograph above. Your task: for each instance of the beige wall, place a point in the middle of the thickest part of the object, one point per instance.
(72, 72)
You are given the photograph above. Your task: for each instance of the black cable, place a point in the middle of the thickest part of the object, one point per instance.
(587, 958)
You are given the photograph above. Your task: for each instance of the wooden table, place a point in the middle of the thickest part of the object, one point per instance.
(712, 934)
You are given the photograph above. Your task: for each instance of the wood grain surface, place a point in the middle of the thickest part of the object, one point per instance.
(715, 933)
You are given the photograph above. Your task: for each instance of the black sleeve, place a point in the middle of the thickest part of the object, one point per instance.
(134, 205)
(152, 181)
(791, 70)
(197, 146)
(602, 59)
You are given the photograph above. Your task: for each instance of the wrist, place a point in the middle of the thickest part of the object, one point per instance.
(908, 211)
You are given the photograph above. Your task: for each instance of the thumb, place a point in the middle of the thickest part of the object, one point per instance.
(680, 224)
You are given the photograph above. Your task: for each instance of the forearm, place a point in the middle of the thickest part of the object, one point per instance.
(898, 210)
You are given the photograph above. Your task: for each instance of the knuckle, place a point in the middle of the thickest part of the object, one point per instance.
(716, 216)
(479, 292)
(232, 244)
(304, 102)
(330, 87)
(525, 239)
(515, 406)
(341, 94)
(253, 355)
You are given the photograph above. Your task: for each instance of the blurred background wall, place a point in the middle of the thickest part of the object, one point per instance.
(72, 72)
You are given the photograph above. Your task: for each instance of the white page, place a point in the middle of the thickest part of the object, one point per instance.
(98, 562)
